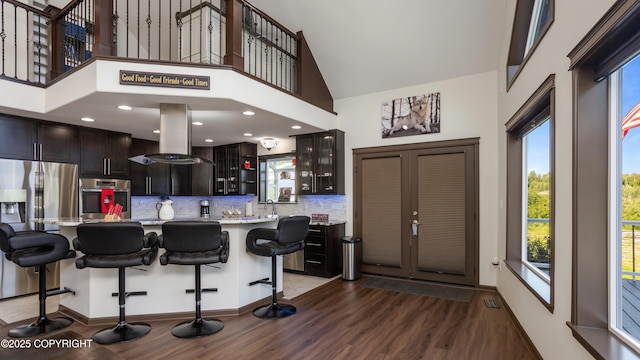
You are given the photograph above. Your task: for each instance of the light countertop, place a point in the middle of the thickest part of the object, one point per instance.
(152, 222)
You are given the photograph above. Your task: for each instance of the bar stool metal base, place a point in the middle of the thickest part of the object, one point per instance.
(274, 311)
(121, 333)
(195, 328)
(39, 327)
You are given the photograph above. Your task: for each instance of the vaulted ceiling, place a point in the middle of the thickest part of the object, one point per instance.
(366, 46)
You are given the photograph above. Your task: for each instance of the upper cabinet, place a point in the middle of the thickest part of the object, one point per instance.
(320, 163)
(202, 174)
(104, 154)
(30, 139)
(150, 179)
(235, 169)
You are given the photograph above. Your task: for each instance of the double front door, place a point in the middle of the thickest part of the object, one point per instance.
(416, 210)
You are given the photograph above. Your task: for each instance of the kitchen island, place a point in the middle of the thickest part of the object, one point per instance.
(165, 285)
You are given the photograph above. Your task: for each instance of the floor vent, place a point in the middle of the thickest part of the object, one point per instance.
(491, 303)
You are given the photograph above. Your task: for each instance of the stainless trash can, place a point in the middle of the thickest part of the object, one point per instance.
(351, 258)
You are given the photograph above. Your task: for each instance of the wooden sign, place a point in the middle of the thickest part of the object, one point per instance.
(164, 80)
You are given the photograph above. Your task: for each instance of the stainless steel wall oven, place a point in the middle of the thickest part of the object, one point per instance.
(97, 195)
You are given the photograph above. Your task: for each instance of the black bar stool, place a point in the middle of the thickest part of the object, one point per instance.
(287, 238)
(116, 245)
(195, 243)
(35, 248)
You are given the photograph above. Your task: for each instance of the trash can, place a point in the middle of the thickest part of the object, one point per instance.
(351, 258)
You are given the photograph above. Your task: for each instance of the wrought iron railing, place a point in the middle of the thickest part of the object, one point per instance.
(269, 51)
(188, 31)
(23, 42)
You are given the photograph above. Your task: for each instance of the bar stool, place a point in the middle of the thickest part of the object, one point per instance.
(287, 238)
(35, 248)
(195, 243)
(116, 245)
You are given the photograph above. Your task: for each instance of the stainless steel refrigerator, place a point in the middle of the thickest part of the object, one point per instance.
(31, 190)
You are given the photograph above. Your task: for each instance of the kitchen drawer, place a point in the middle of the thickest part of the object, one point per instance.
(315, 263)
(315, 244)
(319, 230)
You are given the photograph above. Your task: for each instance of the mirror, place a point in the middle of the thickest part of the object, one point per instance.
(277, 178)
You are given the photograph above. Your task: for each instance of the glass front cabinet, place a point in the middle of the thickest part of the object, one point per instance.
(235, 169)
(320, 163)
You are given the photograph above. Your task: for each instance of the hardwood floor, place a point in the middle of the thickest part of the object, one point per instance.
(340, 320)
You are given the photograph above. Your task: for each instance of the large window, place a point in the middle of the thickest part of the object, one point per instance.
(605, 77)
(624, 213)
(531, 22)
(530, 193)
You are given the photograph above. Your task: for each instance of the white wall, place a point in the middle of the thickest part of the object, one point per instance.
(468, 109)
(573, 19)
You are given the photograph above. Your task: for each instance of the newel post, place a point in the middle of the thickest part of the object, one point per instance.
(103, 28)
(55, 29)
(233, 51)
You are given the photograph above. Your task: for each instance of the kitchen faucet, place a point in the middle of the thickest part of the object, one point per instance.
(273, 207)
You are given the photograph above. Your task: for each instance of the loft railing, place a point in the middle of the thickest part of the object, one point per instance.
(228, 33)
(24, 42)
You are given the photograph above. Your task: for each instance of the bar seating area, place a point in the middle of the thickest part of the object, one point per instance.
(286, 239)
(34, 248)
(195, 243)
(117, 245)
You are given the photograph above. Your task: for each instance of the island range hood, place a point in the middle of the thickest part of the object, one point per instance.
(175, 138)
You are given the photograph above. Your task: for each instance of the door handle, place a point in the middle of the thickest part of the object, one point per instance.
(414, 227)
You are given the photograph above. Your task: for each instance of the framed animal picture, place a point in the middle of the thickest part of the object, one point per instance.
(414, 115)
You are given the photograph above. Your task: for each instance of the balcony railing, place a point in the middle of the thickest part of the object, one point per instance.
(39, 45)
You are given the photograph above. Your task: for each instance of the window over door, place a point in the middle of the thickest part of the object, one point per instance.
(531, 22)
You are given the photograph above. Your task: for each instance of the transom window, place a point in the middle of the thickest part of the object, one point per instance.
(530, 23)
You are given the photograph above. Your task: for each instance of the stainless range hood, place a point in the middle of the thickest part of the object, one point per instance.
(175, 138)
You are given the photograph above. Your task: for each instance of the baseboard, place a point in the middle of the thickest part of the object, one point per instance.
(523, 334)
(187, 315)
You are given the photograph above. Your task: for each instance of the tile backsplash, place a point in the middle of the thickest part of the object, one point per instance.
(144, 207)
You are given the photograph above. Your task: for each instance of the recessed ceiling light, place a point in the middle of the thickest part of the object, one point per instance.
(247, 134)
(87, 119)
(296, 127)
(198, 123)
(125, 107)
(248, 113)
(156, 131)
(208, 140)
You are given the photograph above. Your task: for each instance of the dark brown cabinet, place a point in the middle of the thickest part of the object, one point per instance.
(235, 170)
(157, 179)
(202, 174)
(30, 139)
(104, 154)
(150, 179)
(322, 251)
(320, 163)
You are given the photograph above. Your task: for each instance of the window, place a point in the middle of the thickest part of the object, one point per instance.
(530, 193)
(277, 178)
(531, 22)
(624, 204)
(597, 309)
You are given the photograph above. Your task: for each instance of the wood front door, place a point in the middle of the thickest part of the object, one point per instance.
(416, 210)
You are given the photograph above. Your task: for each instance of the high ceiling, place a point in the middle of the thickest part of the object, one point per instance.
(360, 46)
(366, 46)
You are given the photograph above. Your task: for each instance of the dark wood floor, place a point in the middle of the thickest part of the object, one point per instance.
(340, 320)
